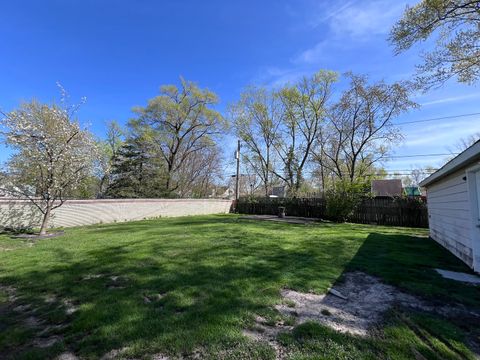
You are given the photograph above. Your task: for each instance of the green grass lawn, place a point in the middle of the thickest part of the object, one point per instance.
(183, 285)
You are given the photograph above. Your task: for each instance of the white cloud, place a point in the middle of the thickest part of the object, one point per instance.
(442, 135)
(277, 77)
(325, 13)
(314, 54)
(351, 24)
(366, 18)
(452, 99)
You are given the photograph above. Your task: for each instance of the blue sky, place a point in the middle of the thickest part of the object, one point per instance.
(118, 53)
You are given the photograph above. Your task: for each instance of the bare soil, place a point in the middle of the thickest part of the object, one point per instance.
(367, 300)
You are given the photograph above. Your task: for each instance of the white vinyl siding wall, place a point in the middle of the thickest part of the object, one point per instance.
(450, 215)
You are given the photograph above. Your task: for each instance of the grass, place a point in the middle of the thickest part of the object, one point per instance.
(180, 285)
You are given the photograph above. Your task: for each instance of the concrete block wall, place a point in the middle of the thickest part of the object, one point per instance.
(21, 213)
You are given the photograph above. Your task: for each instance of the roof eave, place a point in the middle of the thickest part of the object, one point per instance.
(466, 157)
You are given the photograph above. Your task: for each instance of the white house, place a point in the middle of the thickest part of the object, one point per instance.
(453, 195)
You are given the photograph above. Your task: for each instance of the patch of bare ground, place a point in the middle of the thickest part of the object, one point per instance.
(114, 354)
(160, 357)
(66, 356)
(38, 236)
(367, 299)
(355, 306)
(265, 332)
(26, 315)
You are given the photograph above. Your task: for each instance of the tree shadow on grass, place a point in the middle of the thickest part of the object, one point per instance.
(409, 262)
(162, 293)
(200, 296)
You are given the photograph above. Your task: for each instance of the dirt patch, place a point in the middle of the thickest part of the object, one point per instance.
(69, 306)
(114, 354)
(37, 236)
(367, 301)
(116, 282)
(265, 332)
(10, 291)
(17, 312)
(47, 341)
(149, 298)
(359, 305)
(287, 219)
(160, 357)
(92, 276)
(66, 356)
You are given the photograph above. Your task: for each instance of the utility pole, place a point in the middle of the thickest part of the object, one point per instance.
(237, 177)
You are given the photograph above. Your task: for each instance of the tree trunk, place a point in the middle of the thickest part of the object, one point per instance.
(46, 218)
(322, 175)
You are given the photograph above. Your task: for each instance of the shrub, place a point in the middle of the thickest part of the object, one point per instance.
(342, 200)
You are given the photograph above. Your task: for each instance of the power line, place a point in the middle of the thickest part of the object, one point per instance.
(438, 118)
(419, 155)
(426, 169)
(380, 172)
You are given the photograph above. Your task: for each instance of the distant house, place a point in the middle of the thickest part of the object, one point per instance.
(391, 187)
(279, 191)
(453, 194)
(246, 185)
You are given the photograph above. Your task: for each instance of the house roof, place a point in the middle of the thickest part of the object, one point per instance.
(466, 157)
(390, 187)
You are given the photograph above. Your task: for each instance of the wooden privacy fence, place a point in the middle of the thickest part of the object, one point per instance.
(382, 211)
(304, 207)
(395, 212)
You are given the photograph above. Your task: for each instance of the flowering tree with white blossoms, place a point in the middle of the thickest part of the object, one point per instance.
(53, 154)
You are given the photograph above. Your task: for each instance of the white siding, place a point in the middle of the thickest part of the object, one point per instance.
(449, 213)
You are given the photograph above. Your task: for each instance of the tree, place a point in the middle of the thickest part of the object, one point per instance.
(465, 143)
(304, 111)
(136, 170)
(182, 122)
(360, 131)
(457, 51)
(53, 154)
(257, 117)
(417, 174)
(109, 149)
(200, 173)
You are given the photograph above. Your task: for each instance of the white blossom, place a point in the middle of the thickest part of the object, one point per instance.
(53, 154)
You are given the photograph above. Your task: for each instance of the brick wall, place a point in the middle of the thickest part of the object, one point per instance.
(21, 213)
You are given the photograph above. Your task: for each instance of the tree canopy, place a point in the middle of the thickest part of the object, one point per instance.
(457, 27)
(53, 155)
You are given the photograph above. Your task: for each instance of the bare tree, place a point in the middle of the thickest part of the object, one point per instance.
(200, 173)
(257, 117)
(360, 131)
(417, 174)
(304, 111)
(466, 142)
(52, 155)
